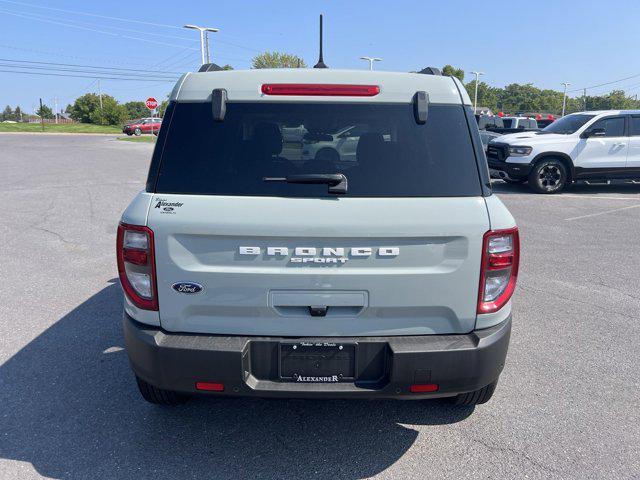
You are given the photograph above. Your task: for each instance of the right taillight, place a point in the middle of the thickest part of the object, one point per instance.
(136, 265)
(499, 269)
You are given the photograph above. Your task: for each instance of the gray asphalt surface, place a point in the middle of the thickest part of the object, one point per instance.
(566, 407)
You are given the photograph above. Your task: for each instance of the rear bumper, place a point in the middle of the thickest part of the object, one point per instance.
(386, 366)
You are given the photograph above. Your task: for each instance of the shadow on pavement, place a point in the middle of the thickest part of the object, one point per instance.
(504, 188)
(71, 408)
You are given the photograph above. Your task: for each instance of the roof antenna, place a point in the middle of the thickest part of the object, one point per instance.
(320, 63)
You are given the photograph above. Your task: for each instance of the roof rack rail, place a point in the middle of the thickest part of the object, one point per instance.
(430, 71)
(210, 67)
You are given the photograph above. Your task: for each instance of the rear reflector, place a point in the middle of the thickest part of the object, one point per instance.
(210, 387)
(320, 90)
(424, 387)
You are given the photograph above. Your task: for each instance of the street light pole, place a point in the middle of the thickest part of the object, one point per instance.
(204, 41)
(371, 60)
(564, 96)
(475, 97)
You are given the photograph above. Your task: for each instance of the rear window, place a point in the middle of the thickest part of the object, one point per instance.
(380, 148)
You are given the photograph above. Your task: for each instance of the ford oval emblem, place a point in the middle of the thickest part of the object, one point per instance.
(187, 287)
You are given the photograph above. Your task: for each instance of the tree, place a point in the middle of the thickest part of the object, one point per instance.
(163, 107)
(17, 114)
(7, 114)
(83, 107)
(277, 60)
(227, 67)
(453, 72)
(136, 109)
(487, 95)
(45, 112)
(86, 109)
(111, 112)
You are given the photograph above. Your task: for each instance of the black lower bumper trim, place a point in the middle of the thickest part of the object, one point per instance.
(514, 170)
(386, 367)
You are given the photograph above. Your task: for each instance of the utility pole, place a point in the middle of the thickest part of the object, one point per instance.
(584, 99)
(207, 54)
(371, 60)
(100, 96)
(475, 97)
(41, 115)
(55, 106)
(204, 41)
(564, 97)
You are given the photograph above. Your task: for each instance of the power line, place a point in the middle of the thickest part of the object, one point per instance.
(170, 57)
(38, 16)
(92, 76)
(75, 57)
(224, 42)
(69, 97)
(181, 60)
(129, 37)
(621, 87)
(595, 86)
(89, 66)
(129, 20)
(92, 14)
(94, 73)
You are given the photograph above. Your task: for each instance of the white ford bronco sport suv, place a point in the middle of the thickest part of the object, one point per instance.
(593, 146)
(251, 270)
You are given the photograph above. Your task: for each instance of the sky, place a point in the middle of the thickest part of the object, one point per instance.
(540, 42)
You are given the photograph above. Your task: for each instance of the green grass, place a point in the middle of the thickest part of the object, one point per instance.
(60, 128)
(145, 139)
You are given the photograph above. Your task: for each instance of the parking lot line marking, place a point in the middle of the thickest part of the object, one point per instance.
(596, 197)
(602, 213)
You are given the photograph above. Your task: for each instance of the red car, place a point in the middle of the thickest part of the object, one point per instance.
(142, 125)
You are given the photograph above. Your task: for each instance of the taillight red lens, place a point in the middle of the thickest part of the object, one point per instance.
(316, 89)
(137, 257)
(424, 387)
(137, 266)
(499, 269)
(210, 386)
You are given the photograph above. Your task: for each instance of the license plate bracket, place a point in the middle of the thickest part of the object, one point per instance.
(317, 362)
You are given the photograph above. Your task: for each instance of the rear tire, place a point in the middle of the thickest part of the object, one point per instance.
(477, 397)
(548, 176)
(158, 396)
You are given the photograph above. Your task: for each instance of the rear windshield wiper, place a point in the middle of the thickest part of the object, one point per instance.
(337, 181)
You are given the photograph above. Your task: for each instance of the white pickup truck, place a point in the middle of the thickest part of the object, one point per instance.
(595, 146)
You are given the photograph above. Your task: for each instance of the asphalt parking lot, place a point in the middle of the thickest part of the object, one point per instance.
(566, 407)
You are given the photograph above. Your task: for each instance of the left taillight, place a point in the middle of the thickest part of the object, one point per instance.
(137, 265)
(499, 269)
